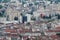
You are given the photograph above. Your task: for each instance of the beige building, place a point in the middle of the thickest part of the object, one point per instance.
(13, 10)
(12, 13)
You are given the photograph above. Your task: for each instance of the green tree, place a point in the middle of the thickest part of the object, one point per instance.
(36, 38)
(58, 34)
(1, 6)
(2, 13)
(5, 1)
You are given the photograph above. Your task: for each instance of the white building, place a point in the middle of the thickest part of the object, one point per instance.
(28, 17)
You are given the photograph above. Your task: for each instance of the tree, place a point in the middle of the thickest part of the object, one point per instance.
(36, 38)
(58, 34)
(28, 38)
(2, 13)
(33, 18)
(1, 6)
(42, 33)
(20, 36)
(5, 1)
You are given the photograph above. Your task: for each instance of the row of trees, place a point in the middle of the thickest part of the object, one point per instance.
(56, 1)
(2, 12)
(4, 1)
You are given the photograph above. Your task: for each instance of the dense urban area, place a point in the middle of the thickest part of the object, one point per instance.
(29, 19)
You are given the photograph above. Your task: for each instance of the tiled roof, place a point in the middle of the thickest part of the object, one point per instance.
(53, 30)
(11, 31)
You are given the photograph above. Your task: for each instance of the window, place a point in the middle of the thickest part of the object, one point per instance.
(7, 18)
(15, 18)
